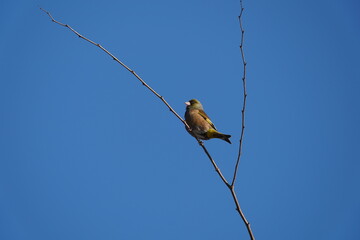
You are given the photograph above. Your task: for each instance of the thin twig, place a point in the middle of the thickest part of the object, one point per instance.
(217, 169)
(122, 64)
(146, 85)
(230, 186)
(238, 209)
(244, 95)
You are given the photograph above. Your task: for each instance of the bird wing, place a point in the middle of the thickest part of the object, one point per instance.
(203, 114)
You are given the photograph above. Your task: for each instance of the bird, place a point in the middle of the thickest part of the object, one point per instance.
(200, 124)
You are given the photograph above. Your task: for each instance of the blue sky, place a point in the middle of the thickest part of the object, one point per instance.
(86, 152)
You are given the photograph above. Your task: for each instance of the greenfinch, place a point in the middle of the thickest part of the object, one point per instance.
(200, 124)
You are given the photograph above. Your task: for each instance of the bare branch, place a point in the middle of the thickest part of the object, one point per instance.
(147, 86)
(238, 209)
(244, 95)
(214, 164)
(230, 186)
(122, 64)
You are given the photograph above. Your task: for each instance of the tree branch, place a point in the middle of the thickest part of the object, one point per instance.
(232, 186)
(122, 64)
(244, 95)
(238, 209)
(217, 169)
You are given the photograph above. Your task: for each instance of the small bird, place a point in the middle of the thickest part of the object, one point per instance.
(200, 124)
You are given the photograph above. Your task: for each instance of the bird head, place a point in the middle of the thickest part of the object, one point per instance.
(194, 104)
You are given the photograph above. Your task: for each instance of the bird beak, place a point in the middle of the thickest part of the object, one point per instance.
(187, 103)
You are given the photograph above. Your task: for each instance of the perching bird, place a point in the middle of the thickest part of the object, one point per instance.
(200, 124)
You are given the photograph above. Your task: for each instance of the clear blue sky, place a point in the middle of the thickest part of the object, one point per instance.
(86, 152)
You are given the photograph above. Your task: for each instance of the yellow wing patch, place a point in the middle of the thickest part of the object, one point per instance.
(203, 114)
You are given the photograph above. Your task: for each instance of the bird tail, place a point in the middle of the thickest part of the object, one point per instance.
(212, 133)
